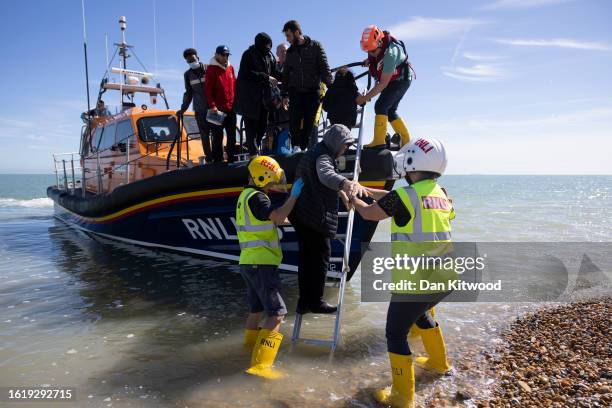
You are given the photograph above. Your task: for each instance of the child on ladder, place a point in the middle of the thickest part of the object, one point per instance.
(260, 255)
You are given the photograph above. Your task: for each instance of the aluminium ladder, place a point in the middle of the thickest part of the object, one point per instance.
(348, 236)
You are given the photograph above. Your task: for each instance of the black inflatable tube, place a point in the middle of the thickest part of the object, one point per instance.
(375, 165)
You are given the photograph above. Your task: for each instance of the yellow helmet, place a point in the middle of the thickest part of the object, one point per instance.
(264, 170)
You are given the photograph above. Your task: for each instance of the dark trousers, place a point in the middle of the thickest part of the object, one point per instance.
(255, 129)
(403, 314)
(204, 128)
(313, 260)
(302, 106)
(390, 97)
(229, 125)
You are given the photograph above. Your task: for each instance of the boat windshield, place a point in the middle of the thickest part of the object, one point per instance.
(158, 128)
(164, 128)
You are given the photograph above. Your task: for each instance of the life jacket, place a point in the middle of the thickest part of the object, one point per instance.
(259, 240)
(427, 234)
(375, 64)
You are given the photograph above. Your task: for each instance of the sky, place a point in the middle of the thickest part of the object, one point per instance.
(509, 86)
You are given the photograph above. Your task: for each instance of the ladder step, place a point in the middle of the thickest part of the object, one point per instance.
(334, 274)
(314, 342)
(341, 276)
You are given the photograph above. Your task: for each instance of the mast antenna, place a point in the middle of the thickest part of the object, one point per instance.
(85, 52)
(123, 50)
(106, 47)
(155, 35)
(123, 46)
(193, 23)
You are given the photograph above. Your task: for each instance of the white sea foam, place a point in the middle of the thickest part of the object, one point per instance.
(43, 202)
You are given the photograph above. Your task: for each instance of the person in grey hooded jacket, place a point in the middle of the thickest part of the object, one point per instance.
(315, 215)
(194, 91)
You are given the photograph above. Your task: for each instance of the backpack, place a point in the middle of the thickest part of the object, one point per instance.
(276, 141)
(339, 100)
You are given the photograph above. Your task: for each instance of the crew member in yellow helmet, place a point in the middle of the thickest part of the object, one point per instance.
(421, 213)
(388, 63)
(260, 255)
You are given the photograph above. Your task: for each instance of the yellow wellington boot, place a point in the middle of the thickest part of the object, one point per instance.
(415, 331)
(400, 128)
(264, 353)
(436, 350)
(380, 131)
(250, 336)
(401, 393)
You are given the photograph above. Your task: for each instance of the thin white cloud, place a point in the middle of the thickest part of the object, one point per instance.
(558, 43)
(476, 73)
(482, 57)
(520, 4)
(424, 28)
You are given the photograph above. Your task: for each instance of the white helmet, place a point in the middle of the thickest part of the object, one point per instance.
(421, 155)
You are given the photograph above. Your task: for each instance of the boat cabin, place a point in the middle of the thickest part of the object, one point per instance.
(135, 144)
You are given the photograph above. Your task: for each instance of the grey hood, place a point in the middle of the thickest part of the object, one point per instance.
(336, 137)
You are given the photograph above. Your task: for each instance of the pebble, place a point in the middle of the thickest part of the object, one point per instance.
(462, 396)
(556, 357)
(524, 386)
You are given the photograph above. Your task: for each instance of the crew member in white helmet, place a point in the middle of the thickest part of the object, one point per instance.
(421, 213)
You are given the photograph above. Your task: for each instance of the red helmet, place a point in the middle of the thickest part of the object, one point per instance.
(371, 38)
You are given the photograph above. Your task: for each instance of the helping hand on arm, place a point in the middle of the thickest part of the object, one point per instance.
(353, 188)
(371, 212)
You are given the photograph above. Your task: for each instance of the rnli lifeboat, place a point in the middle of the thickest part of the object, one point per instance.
(139, 177)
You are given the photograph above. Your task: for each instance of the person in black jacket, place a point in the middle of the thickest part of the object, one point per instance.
(194, 91)
(304, 69)
(339, 100)
(256, 77)
(315, 215)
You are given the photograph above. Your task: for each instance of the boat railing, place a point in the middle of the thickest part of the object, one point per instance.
(241, 156)
(126, 145)
(66, 171)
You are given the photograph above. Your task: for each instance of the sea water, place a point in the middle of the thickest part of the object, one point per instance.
(132, 327)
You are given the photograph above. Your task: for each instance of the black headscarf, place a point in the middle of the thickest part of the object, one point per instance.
(262, 40)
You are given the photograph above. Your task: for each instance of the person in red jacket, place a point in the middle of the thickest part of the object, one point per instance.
(219, 88)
